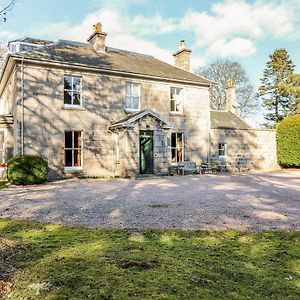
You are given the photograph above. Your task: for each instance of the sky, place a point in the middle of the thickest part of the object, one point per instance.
(239, 30)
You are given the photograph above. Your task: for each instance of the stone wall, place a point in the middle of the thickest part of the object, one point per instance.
(253, 148)
(46, 119)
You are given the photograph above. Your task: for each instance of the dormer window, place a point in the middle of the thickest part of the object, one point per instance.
(72, 91)
(133, 96)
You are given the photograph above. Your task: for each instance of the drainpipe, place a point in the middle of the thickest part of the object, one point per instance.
(22, 106)
(113, 171)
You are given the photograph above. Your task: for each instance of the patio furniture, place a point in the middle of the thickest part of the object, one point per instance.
(187, 166)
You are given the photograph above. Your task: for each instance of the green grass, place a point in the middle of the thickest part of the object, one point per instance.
(43, 261)
(3, 184)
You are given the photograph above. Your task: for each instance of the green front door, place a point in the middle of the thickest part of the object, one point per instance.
(146, 152)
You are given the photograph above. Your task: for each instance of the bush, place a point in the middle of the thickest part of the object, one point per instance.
(288, 142)
(27, 169)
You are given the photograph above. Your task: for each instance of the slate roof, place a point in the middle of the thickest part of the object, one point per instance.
(130, 119)
(226, 120)
(30, 40)
(83, 54)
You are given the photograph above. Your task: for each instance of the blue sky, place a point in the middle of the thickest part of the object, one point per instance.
(245, 31)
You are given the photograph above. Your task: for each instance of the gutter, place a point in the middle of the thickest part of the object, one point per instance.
(108, 71)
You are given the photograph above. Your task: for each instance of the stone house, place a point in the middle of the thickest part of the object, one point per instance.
(94, 110)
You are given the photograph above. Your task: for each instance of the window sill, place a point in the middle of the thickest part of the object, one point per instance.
(73, 107)
(128, 110)
(174, 113)
(73, 168)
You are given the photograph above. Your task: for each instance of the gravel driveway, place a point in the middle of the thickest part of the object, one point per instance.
(265, 201)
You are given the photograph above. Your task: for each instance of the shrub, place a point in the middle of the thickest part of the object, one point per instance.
(27, 169)
(288, 142)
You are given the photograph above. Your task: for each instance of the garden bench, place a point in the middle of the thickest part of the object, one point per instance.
(187, 166)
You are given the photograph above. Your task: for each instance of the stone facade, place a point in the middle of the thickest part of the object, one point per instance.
(46, 119)
(252, 149)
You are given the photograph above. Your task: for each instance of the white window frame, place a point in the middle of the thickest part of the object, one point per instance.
(70, 168)
(181, 100)
(72, 91)
(176, 147)
(130, 109)
(220, 148)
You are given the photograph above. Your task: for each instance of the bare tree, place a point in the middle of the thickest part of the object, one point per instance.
(8, 7)
(220, 72)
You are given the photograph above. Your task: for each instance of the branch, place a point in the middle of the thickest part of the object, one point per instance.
(7, 8)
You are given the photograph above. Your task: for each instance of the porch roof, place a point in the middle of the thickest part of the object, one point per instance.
(128, 121)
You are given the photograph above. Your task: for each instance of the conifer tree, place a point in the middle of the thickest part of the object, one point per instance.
(276, 100)
(292, 87)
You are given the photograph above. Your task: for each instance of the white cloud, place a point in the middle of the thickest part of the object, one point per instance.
(121, 33)
(234, 47)
(154, 25)
(239, 23)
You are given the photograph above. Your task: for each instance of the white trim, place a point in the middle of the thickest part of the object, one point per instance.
(176, 147)
(72, 91)
(181, 112)
(73, 168)
(73, 149)
(129, 109)
(225, 150)
(73, 107)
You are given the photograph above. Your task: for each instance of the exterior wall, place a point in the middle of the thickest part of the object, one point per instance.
(46, 119)
(130, 153)
(256, 148)
(7, 107)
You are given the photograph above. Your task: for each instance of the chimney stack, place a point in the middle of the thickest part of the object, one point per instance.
(230, 99)
(183, 57)
(97, 39)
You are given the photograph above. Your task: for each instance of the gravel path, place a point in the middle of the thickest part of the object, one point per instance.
(268, 201)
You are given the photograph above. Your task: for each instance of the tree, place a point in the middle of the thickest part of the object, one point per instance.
(292, 87)
(288, 142)
(8, 7)
(276, 100)
(220, 72)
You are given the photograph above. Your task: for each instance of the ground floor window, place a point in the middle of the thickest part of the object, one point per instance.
(222, 149)
(177, 147)
(2, 151)
(73, 149)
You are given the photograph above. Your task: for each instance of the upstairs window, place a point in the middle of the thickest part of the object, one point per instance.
(177, 147)
(72, 90)
(176, 100)
(222, 149)
(133, 96)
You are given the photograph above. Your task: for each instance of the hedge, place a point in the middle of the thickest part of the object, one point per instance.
(288, 142)
(27, 169)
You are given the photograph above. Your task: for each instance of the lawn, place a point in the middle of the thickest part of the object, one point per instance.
(43, 261)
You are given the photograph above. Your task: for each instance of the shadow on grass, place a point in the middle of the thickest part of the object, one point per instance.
(41, 261)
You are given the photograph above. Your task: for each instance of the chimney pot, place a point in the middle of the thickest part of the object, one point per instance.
(181, 45)
(182, 56)
(97, 39)
(230, 99)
